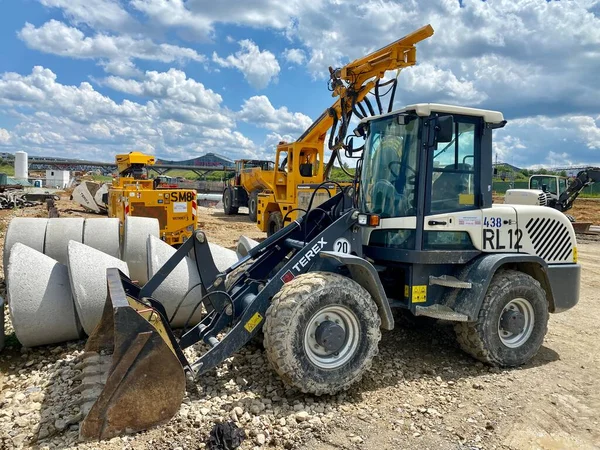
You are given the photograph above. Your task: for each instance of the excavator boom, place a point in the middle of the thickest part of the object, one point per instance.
(583, 179)
(348, 82)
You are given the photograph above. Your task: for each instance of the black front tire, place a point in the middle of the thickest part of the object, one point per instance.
(253, 205)
(483, 339)
(289, 320)
(274, 223)
(228, 201)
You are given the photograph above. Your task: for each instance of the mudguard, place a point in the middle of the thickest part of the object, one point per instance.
(363, 272)
(479, 273)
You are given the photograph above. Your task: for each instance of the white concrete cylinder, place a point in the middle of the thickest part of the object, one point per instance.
(1, 323)
(181, 290)
(58, 234)
(135, 253)
(223, 257)
(103, 234)
(30, 231)
(87, 270)
(245, 244)
(21, 166)
(39, 299)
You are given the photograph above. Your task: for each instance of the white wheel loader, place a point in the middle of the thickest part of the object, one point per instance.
(417, 231)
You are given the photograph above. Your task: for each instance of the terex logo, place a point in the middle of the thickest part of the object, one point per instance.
(314, 251)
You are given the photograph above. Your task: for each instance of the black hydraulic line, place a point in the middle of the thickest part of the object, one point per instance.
(187, 322)
(362, 109)
(377, 97)
(369, 106)
(392, 95)
(333, 129)
(292, 210)
(357, 113)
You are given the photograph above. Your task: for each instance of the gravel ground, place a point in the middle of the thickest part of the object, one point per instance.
(422, 391)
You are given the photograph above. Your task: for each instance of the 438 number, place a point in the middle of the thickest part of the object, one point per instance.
(492, 222)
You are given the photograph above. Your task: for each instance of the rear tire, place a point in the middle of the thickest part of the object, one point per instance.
(295, 317)
(253, 205)
(274, 223)
(512, 321)
(228, 201)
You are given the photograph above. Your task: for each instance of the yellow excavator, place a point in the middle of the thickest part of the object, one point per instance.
(134, 363)
(299, 181)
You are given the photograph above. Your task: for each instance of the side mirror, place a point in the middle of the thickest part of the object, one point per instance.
(444, 129)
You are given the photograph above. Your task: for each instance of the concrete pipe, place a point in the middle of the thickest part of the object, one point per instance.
(245, 244)
(30, 231)
(103, 234)
(181, 291)
(135, 253)
(1, 323)
(58, 234)
(87, 271)
(39, 299)
(223, 257)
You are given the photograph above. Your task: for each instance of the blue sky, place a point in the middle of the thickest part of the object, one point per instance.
(92, 78)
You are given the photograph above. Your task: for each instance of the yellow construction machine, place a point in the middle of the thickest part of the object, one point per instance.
(247, 182)
(132, 193)
(300, 180)
(299, 286)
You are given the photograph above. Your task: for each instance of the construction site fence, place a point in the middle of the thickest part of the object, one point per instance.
(203, 186)
(500, 187)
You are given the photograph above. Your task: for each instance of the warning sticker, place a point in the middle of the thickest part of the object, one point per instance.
(419, 294)
(179, 207)
(253, 322)
(469, 220)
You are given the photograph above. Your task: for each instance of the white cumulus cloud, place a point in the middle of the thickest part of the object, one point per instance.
(294, 55)
(259, 67)
(119, 50)
(105, 14)
(259, 111)
(198, 17)
(180, 120)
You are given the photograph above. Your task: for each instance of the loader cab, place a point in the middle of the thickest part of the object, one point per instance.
(423, 167)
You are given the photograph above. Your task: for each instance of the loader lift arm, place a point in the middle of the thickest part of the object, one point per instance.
(240, 306)
(583, 179)
(353, 82)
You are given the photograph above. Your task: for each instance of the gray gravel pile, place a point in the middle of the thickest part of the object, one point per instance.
(410, 395)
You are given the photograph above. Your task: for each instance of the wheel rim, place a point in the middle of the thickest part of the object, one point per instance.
(252, 206)
(226, 201)
(343, 318)
(516, 323)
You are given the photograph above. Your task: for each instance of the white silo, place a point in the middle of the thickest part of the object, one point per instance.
(21, 166)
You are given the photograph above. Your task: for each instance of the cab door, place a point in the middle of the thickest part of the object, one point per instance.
(453, 217)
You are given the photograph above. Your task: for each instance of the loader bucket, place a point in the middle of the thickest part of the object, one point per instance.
(132, 372)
